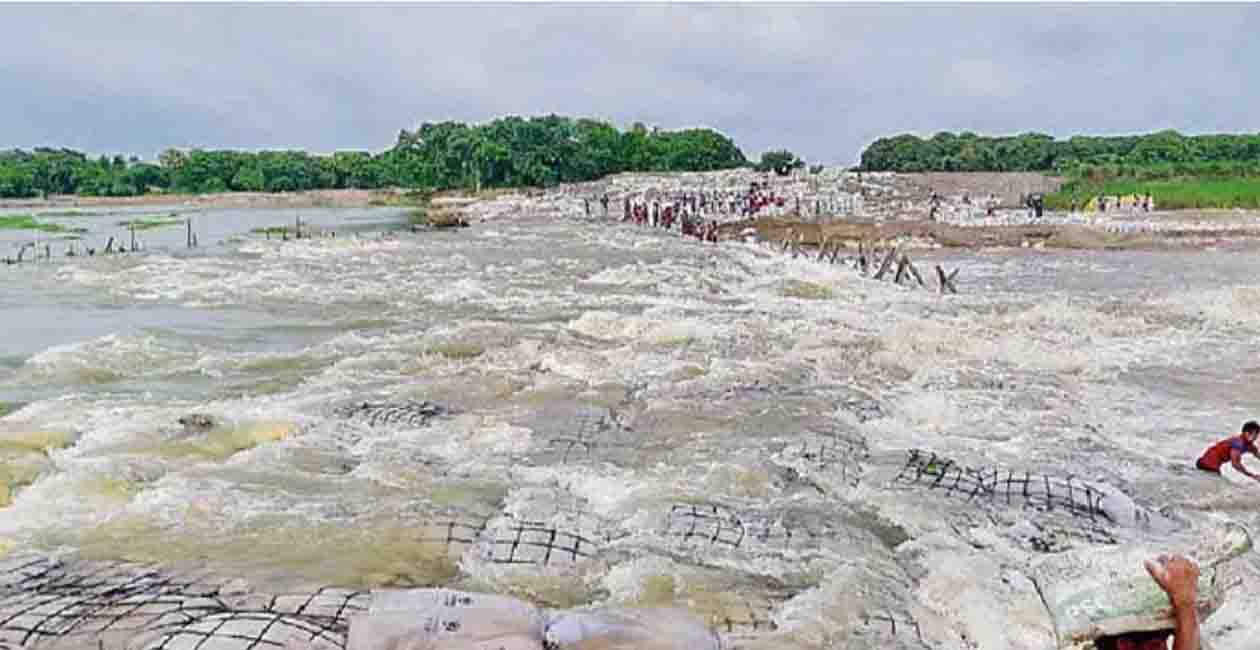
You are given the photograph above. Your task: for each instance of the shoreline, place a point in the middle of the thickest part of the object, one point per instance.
(344, 198)
(1184, 230)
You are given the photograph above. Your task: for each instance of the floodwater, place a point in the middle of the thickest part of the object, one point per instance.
(620, 416)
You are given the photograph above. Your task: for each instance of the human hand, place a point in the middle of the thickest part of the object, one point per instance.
(1178, 577)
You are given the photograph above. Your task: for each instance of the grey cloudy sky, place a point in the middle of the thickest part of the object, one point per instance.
(822, 80)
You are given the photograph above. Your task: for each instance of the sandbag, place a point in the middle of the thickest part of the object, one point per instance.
(443, 619)
(1095, 593)
(647, 629)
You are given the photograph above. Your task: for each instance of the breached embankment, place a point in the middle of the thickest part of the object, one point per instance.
(880, 208)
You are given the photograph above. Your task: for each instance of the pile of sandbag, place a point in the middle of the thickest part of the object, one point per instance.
(443, 619)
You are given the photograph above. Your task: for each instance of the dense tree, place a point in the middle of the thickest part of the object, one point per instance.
(511, 151)
(781, 161)
(1038, 152)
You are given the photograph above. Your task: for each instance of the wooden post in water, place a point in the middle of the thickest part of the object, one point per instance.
(915, 272)
(947, 281)
(189, 238)
(132, 227)
(883, 268)
(109, 246)
(297, 227)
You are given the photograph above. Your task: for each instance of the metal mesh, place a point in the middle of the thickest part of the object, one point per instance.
(890, 629)
(716, 525)
(540, 545)
(1037, 491)
(830, 453)
(52, 603)
(752, 619)
(454, 535)
(582, 436)
(548, 527)
(586, 435)
(410, 412)
(710, 524)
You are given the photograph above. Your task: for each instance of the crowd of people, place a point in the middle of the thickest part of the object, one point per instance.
(698, 213)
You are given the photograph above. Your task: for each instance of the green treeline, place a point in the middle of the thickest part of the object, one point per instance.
(1042, 153)
(506, 152)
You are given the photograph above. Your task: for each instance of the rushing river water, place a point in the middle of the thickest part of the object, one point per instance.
(591, 413)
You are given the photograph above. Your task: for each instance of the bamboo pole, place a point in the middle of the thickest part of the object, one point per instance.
(915, 272)
(947, 281)
(883, 268)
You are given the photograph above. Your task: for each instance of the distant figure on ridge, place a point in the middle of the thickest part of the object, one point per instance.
(1231, 451)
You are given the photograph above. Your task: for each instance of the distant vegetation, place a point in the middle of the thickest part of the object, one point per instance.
(507, 152)
(151, 222)
(1173, 186)
(1205, 171)
(1042, 153)
(780, 161)
(28, 222)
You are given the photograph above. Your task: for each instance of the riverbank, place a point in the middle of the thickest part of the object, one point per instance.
(838, 205)
(851, 208)
(311, 199)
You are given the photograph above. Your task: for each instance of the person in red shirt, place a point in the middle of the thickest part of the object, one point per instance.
(1231, 451)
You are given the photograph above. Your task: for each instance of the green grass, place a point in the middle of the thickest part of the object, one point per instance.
(72, 213)
(1174, 187)
(270, 230)
(28, 222)
(149, 223)
(411, 198)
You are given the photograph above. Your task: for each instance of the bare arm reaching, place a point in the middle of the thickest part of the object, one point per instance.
(1179, 578)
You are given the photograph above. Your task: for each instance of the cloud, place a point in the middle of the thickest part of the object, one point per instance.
(820, 80)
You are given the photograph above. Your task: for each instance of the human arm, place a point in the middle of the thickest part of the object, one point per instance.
(1179, 578)
(1235, 459)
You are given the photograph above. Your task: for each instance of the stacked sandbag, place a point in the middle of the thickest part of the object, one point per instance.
(443, 619)
(1099, 592)
(648, 629)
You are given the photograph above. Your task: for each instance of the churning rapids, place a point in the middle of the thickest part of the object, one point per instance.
(584, 413)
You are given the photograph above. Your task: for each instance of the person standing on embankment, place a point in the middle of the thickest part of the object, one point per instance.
(1231, 450)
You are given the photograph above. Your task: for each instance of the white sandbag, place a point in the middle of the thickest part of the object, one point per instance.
(1123, 511)
(647, 629)
(433, 619)
(1095, 593)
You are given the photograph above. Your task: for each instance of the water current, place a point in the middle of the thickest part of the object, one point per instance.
(574, 413)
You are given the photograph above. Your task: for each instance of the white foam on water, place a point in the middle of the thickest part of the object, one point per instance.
(720, 369)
